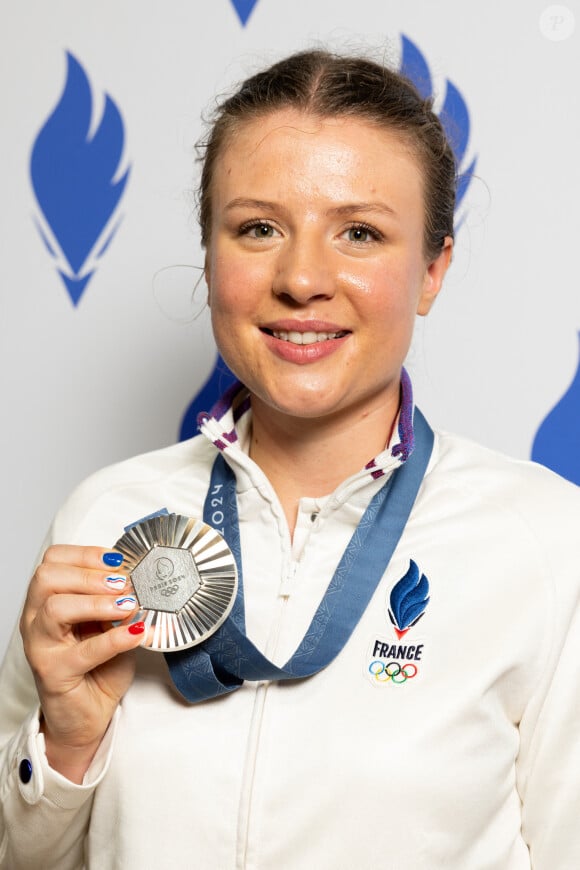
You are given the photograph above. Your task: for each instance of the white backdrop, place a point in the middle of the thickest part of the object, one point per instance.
(86, 385)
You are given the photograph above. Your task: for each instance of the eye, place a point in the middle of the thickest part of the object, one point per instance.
(263, 231)
(362, 233)
(257, 230)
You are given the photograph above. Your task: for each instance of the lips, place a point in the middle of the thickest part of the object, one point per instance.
(303, 342)
(308, 337)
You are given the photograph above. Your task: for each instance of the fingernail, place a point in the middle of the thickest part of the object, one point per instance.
(113, 560)
(115, 581)
(127, 602)
(137, 628)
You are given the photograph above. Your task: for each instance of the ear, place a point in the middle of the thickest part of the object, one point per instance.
(433, 279)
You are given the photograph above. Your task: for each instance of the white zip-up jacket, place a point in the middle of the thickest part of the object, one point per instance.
(454, 744)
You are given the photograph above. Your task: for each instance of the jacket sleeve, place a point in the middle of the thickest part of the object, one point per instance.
(44, 817)
(549, 763)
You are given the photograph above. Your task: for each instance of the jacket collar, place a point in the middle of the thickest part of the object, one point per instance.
(228, 425)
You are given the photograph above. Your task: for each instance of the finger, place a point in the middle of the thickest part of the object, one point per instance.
(101, 648)
(84, 557)
(63, 667)
(60, 613)
(55, 579)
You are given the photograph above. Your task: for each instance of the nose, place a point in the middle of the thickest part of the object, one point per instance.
(303, 270)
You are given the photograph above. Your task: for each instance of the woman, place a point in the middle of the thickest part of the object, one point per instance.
(429, 722)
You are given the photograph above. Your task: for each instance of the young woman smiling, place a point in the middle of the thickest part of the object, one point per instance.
(394, 683)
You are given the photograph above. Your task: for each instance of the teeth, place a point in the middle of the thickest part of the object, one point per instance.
(304, 337)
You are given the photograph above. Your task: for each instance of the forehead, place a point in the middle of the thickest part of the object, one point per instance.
(289, 145)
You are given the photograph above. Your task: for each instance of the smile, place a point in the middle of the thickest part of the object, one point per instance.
(304, 337)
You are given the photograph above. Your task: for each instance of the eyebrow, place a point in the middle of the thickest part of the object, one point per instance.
(242, 202)
(380, 207)
(347, 208)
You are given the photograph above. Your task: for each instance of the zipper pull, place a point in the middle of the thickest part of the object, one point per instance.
(287, 581)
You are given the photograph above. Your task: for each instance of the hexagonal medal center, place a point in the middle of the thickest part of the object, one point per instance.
(165, 579)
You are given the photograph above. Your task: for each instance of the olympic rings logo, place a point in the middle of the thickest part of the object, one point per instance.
(170, 590)
(392, 671)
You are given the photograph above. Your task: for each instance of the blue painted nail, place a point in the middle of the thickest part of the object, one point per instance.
(113, 560)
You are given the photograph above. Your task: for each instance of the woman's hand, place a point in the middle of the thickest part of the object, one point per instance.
(82, 668)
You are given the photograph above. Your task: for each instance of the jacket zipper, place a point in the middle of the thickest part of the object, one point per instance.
(254, 734)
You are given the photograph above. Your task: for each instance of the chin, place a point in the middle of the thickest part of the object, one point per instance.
(295, 402)
(306, 404)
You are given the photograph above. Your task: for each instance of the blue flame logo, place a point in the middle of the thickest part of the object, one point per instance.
(244, 8)
(557, 441)
(74, 175)
(454, 115)
(408, 600)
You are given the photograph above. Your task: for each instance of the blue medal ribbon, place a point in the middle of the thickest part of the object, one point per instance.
(222, 662)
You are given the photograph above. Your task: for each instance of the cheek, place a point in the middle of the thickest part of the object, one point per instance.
(386, 292)
(227, 337)
(224, 321)
(237, 283)
(232, 305)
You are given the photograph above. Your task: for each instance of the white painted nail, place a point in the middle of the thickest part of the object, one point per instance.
(115, 581)
(127, 602)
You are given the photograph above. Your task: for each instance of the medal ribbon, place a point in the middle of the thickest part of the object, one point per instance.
(222, 662)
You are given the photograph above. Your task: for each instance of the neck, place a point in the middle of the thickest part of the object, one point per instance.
(304, 457)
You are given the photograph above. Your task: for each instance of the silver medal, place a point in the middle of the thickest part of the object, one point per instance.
(184, 577)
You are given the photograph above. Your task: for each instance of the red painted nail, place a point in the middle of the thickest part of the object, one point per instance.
(137, 628)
